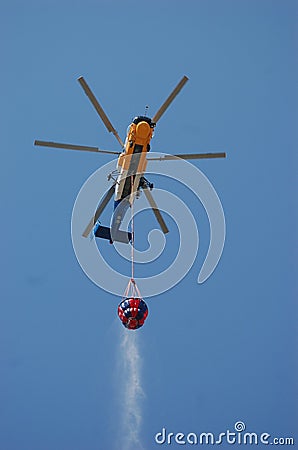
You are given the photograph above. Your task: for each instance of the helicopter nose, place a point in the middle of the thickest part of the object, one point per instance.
(143, 130)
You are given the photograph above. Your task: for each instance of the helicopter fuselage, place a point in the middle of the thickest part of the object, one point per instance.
(132, 162)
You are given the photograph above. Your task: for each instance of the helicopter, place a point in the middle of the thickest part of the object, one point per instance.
(128, 178)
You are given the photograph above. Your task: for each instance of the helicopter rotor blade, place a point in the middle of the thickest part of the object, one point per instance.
(99, 110)
(169, 100)
(109, 194)
(156, 211)
(188, 156)
(73, 147)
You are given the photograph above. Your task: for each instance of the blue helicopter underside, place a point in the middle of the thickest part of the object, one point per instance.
(113, 233)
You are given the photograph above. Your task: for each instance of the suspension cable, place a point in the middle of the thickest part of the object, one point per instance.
(132, 289)
(132, 231)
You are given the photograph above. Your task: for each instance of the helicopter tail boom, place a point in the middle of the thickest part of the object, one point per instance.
(118, 236)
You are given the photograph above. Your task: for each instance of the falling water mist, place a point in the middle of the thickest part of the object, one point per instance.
(132, 391)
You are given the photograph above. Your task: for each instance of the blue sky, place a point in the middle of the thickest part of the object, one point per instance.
(214, 353)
